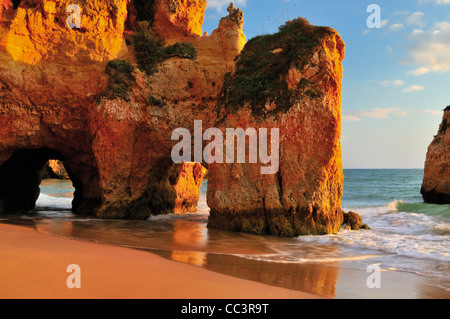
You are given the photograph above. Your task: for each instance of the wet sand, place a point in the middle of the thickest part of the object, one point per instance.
(329, 280)
(33, 265)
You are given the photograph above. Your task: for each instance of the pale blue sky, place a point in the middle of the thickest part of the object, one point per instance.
(396, 78)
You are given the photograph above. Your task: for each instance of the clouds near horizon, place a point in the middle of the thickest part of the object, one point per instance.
(413, 88)
(429, 49)
(376, 113)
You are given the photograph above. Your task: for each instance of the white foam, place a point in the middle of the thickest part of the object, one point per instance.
(287, 259)
(442, 227)
(51, 202)
(432, 247)
(394, 204)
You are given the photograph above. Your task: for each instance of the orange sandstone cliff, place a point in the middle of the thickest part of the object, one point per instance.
(436, 182)
(292, 81)
(105, 98)
(54, 169)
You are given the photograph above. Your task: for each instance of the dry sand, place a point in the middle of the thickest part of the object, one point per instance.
(33, 265)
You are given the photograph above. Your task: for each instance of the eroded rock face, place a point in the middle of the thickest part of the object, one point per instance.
(187, 179)
(77, 95)
(175, 19)
(53, 81)
(50, 76)
(436, 182)
(286, 83)
(5, 5)
(54, 169)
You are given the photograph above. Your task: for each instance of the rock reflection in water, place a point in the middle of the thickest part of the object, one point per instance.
(190, 241)
(311, 278)
(190, 257)
(186, 232)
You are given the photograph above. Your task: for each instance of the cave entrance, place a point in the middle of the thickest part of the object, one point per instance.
(56, 188)
(21, 176)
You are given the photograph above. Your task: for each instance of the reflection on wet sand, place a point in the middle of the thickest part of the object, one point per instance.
(189, 257)
(311, 278)
(188, 233)
(238, 255)
(64, 229)
(319, 280)
(315, 279)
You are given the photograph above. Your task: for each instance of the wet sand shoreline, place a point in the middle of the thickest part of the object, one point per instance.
(295, 281)
(34, 266)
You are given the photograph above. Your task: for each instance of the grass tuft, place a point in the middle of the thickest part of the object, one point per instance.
(121, 79)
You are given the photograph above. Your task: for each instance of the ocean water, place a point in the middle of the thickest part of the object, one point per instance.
(407, 238)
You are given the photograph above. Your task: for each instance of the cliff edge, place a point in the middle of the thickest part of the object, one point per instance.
(436, 181)
(291, 81)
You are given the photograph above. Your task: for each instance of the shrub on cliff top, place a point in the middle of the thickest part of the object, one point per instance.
(149, 50)
(121, 79)
(447, 108)
(262, 66)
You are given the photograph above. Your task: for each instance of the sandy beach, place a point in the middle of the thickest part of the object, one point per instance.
(34, 265)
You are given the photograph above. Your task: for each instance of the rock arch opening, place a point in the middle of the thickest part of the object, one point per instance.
(56, 187)
(21, 176)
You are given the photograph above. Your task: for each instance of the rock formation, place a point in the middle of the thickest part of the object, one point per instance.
(292, 81)
(62, 97)
(436, 181)
(187, 180)
(178, 18)
(54, 169)
(105, 98)
(353, 221)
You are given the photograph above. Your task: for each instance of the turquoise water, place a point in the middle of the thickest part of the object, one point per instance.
(391, 203)
(411, 235)
(367, 188)
(406, 236)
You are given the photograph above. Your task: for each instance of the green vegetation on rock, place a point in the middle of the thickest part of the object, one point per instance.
(262, 66)
(121, 79)
(149, 50)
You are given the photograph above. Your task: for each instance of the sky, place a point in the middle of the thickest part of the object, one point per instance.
(396, 78)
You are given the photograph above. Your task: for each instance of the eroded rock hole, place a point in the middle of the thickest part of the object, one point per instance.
(22, 174)
(56, 188)
(16, 3)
